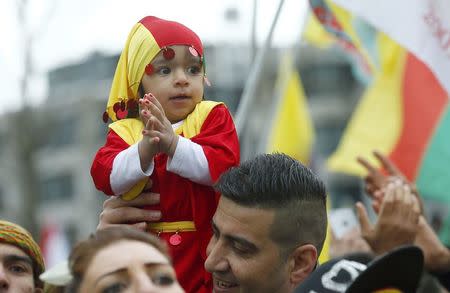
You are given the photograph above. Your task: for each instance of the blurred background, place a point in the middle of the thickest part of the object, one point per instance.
(57, 59)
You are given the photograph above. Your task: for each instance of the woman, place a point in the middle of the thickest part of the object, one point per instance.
(121, 259)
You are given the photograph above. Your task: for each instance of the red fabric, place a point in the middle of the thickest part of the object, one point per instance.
(102, 165)
(184, 200)
(219, 140)
(168, 33)
(423, 105)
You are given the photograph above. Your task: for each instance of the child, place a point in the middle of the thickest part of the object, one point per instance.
(181, 142)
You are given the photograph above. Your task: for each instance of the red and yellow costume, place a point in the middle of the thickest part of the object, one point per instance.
(208, 146)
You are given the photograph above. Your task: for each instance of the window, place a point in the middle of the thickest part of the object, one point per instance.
(64, 132)
(57, 188)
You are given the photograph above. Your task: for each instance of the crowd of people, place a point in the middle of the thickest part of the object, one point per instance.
(184, 215)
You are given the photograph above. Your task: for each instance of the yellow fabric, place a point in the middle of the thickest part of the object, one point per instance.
(135, 190)
(325, 253)
(140, 49)
(292, 131)
(388, 291)
(315, 34)
(346, 19)
(379, 109)
(172, 226)
(194, 121)
(130, 130)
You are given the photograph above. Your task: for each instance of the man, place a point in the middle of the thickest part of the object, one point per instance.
(269, 226)
(21, 260)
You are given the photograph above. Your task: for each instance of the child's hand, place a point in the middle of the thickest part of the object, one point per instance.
(149, 145)
(144, 104)
(162, 128)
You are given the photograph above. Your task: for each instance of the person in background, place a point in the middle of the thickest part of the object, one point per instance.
(121, 259)
(21, 260)
(413, 228)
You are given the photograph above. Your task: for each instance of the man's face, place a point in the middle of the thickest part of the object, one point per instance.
(241, 255)
(16, 270)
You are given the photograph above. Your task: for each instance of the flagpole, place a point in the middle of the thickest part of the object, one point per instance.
(248, 95)
(281, 85)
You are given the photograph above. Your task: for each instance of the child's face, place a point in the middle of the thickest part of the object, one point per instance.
(176, 83)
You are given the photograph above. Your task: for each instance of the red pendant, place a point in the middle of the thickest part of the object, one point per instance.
(149, 69)
(175, 239)
(193, 51)
(105, 117)
(122, 114)
(168, 53)
(116, 107)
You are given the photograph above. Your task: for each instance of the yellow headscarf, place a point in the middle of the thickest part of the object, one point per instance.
(146, 39)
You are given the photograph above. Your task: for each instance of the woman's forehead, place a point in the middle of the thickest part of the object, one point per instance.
(120, 254)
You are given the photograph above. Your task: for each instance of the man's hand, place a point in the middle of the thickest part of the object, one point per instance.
(376, 182)
(397, 221)
(117, 211)
(351, 241)
(436, 255)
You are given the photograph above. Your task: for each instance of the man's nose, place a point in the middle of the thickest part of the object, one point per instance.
(216, 260)
(4, 280)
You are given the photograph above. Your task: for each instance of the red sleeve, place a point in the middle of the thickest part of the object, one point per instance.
(102, 165)
(219, 140)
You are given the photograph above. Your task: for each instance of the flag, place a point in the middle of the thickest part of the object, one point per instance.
(421, 26)
(54, 244)
(350, 33)
(403, 113)
(292, 129)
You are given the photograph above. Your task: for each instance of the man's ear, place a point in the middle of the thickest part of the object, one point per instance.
(302, 262)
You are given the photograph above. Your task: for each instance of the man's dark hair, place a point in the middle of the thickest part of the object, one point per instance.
(281, 183)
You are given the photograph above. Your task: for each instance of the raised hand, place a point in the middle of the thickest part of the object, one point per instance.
(149, 145)
(144, 104)
(437, 256)
(376, 182)
(161, 128)
(397, 221)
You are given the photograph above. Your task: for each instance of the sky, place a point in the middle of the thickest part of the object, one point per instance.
(66, 31)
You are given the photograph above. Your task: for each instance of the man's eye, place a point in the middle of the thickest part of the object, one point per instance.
(115, 288)
(163, 70)
(17, 269)
(240, 249)
(163, 280)
(194, 69)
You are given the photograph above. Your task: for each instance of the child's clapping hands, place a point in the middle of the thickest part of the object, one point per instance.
(158, 129)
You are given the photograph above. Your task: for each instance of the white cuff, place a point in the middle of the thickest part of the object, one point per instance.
(127, 171)
(189, 161)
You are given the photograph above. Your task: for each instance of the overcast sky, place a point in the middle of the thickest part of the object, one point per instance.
(69, 30)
